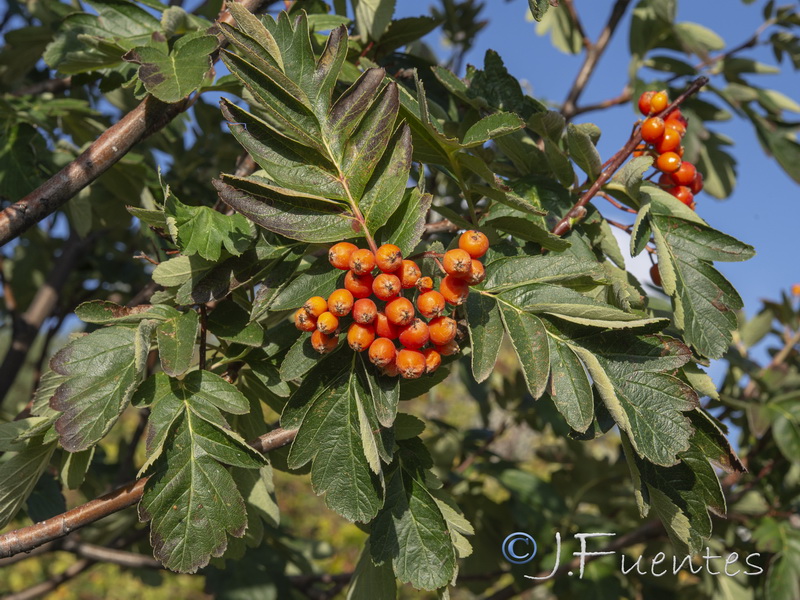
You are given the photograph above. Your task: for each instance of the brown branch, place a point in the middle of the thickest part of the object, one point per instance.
(579, 209)
(593, 54)
(150, 116)
(624, 97)
(32, 536)
(40, 589)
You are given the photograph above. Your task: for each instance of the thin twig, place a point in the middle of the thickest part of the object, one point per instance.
(616, 204)
(40, 589)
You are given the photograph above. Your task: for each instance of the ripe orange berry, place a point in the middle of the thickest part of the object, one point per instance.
(685, 174)
(304, 321)
(328, 323)
(359, 285)
(454, 290)
(659, 102)
(410, 363)
(665, 180)
(430, 304)
(389, 258)
(645, 102)
(677, 120)
(364, 311)
(457, 262)
(432, 359)
(362, 261)
(425, 284)
(474, 243)
(415, 334)
(653, 129)
(390, 369)
(683, 193)
(384, 327)
(359, 336)
(669, 162)
(400, 311)
(655, 275)
(669, 142)
(382, 352)
(476, 274)
(323, 343)
(386, 286)
(315, 306)
(340, 302)
(339, 255)
(409, 274)
(448, 349)
(639, 151)
(697, 184)
(442, 330)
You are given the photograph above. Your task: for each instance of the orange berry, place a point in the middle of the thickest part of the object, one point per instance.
(796, 289)
(410, 363)
(339, 255)
(409, 274)
(390, 369)
(645, 102)
(315, 306)
(659, 102)
(323, 343)
(697, 184)
(389, 258)
(432, 359)
(457, 262)
(685, 174)
(476, 274)
(665, 180)
(669, 142)
(400, 311)
(386, 286)
(362, 261)
(340, 302)
(442, 330)
(384, 327)
(683, 193)
(364, 311)
(359, 336)
(425, 284)
(453, 289)
(677, 120)
(639, 151)
(669, 162)
(474, 243)
(359, 285)
(382, 352)
(655, 275)
(652, 129)
(328, 323)
(448, 349)
(415, 334)
(430, 304)
(304, 321)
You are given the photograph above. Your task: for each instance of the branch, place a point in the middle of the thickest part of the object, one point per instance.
(40, 589)
(28, 538)
(593, 54)
(616, 161)
(149, 117)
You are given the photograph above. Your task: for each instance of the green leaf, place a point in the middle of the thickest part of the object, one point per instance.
(300, 359)
(783, 579)
(490, 127)
(176, 338)
(372, 17)
(371, 581)
(231, 323)
(698, 39)
(529, 231)
(563, 32)
(319, 280)
(180, 269)
(172, 77)
(570, 388)
(406, 226)
(511, 272)
(538, 8)
(485, 334)
(529, 339)
(103, 370)
(583, 152)
(384, 390)
(104, 312)
(19, 474)
(786, 427)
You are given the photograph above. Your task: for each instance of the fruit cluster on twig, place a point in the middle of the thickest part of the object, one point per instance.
(379, 309)
(662, 137)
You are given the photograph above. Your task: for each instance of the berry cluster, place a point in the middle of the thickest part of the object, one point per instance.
(378, 309)
(662, 138)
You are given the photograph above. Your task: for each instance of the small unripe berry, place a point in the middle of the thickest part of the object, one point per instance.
(432, 359)
(415, 334)
(669, 162)
(659, 102)
(304, 321)
(382, 352)
(457, 262)
(315, 306)
(454, 290)
(476, 274)
(389, 258)
(409, 274)
(339, 255)
(430, 304)
(400, 311)
(364, 311)
(359, 336)
(653, 129)
(384, 327)
(323, 343)
(328, 323)
(359, 285)
(442, 330)
(474, 243)
(410, 363)
(340, 302)
(362, 261)
(386, 286)
(645, 101)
